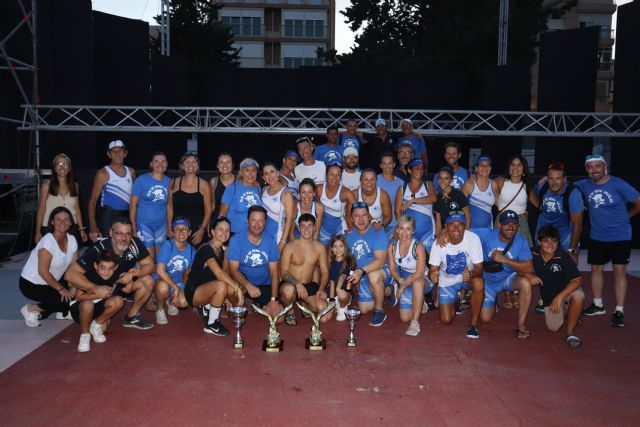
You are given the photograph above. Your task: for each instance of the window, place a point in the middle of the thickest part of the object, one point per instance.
(307, 28)
(604, 59)
(243, 25)
(294, 62)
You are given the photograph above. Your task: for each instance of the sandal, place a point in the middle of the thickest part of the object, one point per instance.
(574, 341)
(507, 305)
(290, 319)
(523, 335)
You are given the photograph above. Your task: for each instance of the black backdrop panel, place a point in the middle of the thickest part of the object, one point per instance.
(568, 151)
(169, 80)
(121, 60)
(507, 88)
(500, 149)
(568, 69)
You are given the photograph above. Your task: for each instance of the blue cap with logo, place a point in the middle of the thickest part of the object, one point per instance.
(509, 217)
(456, 217)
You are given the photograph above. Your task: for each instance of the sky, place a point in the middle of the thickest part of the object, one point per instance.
(147, 9)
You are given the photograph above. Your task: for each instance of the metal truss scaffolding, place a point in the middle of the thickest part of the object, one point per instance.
(75, 118)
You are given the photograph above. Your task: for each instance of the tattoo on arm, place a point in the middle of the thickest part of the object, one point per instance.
(289, 278)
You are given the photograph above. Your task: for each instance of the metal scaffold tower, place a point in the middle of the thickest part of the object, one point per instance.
(503, 32)
(165, 28)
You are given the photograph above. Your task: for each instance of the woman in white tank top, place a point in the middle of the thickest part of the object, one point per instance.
(279, 204)
(514, 193)
(481, 191)
(376, 198)
(307, 204)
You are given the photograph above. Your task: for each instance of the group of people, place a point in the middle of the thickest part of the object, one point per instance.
(321, 227)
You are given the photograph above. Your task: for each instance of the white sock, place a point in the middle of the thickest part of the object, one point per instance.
(98, 325)
(214, 312)
(208, 307)
(620, 308)
(598, 302)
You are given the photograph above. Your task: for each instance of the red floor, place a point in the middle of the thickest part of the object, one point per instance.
(175, 374)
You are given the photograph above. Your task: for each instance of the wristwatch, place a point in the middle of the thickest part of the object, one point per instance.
(571, 251)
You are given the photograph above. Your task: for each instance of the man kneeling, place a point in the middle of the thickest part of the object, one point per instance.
(299, 260)
(559, 280)
(92, 312)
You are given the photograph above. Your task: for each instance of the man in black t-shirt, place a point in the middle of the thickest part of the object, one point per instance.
(129, 251)
(559, 280)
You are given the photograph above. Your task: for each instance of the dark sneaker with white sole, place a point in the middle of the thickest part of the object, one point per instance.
(617, 320)
(216, 328)
(594, 310)
(137, 322)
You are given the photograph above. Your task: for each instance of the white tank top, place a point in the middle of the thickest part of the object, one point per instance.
(313, 212)
(407, 263)
(426, 209)
(483, 200)
(375, 209)
(55, 201)
(292, 185)
(116, 193)
(509, 190)
(334, 206)
(275, 209)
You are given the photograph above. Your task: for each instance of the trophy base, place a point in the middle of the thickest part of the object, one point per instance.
(277, 349)
(315, 347)
(351, 343)
(238, 344)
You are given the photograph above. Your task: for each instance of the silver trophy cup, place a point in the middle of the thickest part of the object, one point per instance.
(352, 314)
(238, 314)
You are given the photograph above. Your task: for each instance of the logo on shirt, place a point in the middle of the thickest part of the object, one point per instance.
(331, 156)
(256, 257)
(350, 142)
(454, 206)
(177, 263)
(360, 248)
(157, 193)
(551, 205)
(249, 198)
(600, 198)
(555, 268)
(457, 182)
(456, 263)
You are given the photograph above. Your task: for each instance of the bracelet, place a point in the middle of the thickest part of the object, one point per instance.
(273, 298)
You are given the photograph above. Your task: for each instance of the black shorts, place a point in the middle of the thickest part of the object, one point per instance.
(312, 288)
(265, 296)
(601, 253)
(105, 217)
(98, 309)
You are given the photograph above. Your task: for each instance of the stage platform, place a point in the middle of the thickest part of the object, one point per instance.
(176, 374)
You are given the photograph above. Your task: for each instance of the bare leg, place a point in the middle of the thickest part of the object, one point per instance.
(85, 311)
(142, 289)
(620, 280)
(477, 298)
(597, 280)
(417, 299)
(524, 286)
(573, 314)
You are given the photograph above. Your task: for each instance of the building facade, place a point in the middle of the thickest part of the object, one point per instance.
(280, 34)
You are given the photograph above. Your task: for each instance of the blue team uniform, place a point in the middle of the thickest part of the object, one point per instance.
(418, 144)
(494, 283)
(347, 141)
(552, 212)
(177, 261)
(254, 259)
(328, 154)
(151, 217)
(240, 198)
(459, 178)
(363, 246)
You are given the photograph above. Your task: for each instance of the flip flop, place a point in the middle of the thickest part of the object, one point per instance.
(290, 319)
(523, 335)
(574, 341)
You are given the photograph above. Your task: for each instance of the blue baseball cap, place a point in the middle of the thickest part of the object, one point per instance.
(291, 153)
(381, 122)
(509, 217)
(334, 163)
(483, 159)
(456, 217)
(415, 162)
(181, 221)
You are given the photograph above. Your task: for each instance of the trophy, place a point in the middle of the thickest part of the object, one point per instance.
(315, 340)
(352, 314)
(238, 314)
(273, 343)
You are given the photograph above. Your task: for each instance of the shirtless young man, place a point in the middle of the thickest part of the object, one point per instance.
(299, 260)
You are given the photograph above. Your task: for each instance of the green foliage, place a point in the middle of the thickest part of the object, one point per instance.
(441, 35)
(197, 35)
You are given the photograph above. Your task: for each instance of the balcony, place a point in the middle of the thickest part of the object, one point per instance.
(596, 6)
(276, 32)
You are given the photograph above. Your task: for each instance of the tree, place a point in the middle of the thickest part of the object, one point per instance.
(197, 35)
(440, 35)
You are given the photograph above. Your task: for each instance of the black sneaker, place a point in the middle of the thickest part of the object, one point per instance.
(594, 310)
(540, 307)
(216, 328)
(203, 314)
(137, 322)
(459, 309)
(617, 320)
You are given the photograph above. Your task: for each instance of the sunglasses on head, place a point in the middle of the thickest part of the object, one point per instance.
(359, 205)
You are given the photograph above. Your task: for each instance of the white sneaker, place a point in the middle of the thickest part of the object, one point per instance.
(340, 314)
(425, 307)
(60, 316)
(172, 310)
(413, 329)
(161, 317)
(85, 343)
(96, 332)
(31, 318)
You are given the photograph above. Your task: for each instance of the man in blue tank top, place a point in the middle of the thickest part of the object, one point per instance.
(610, 232)
(112, 187)
(369, 248)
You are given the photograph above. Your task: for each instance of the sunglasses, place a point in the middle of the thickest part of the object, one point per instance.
(456, 213)
(359, 205)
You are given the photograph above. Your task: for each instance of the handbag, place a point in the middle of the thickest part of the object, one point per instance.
(492, 266)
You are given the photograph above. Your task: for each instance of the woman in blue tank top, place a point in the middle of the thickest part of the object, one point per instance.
(481, 191)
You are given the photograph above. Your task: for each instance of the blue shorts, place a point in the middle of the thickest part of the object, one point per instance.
(492, 289)
(152, 234)
(364, 291)
(449, 294)
(406, 298)
(330, 227)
